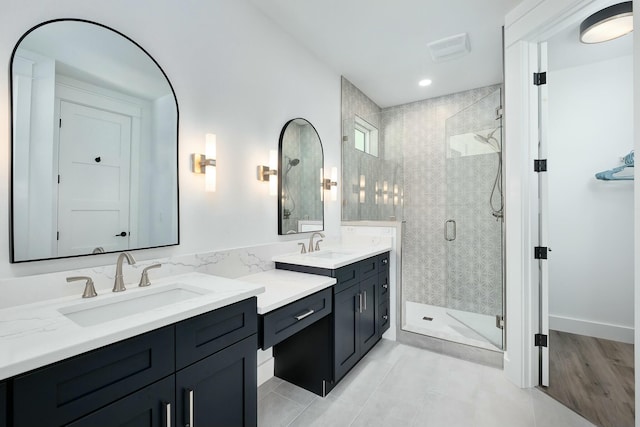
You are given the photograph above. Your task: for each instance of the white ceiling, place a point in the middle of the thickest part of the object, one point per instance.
(381, 45)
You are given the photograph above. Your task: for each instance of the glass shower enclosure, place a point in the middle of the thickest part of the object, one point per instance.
(473, 229)
(452, 272)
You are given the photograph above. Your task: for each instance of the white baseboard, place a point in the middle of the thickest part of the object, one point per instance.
(265, 370)
(592, 329)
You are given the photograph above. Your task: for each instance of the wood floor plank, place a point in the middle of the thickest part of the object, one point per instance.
(592, 376)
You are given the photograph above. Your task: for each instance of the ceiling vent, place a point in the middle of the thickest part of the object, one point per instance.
(450, 48)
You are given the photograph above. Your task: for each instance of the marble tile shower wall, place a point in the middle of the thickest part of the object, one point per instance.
(466, 274)
(426, 256)
(386, 167)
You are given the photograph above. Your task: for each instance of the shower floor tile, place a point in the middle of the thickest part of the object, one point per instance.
(446, 327)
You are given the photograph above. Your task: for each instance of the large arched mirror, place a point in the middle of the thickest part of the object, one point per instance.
(300, 163)
(94, 144)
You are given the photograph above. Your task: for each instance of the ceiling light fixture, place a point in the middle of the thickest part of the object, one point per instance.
(425, 82)
(608, 24)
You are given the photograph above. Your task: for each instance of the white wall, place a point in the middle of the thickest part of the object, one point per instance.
(235, 74)
(590, 221)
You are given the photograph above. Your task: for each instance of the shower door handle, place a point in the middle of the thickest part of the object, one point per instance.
(446, 230)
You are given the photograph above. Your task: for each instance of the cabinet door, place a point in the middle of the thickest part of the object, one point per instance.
(153, 406)
(220, 390)
(369, 325)
(3, 405)
(346, 330)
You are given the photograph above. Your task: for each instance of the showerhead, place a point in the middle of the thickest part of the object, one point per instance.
(294, 162)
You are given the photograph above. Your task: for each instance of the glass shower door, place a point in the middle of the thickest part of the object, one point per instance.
(474, 218)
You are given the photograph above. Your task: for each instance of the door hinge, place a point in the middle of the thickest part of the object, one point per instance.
(499, 321)
(60, 123)
(58, 179)
(540, 79)
(540, 165)
(540, 252)
(540, 340)
(57, 235)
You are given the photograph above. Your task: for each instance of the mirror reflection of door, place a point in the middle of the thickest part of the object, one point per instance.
(93, 191)
(116, 151)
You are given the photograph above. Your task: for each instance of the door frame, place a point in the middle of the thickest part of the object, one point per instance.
(528, 24)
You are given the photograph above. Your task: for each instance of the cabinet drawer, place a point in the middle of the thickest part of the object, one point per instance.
(384, 316)
(383, 262)
(201, 336)
(75, 387)
(3, 405)
(282, 323)
(383, 285)
(346, 277)
(149, 407)
(368, 267)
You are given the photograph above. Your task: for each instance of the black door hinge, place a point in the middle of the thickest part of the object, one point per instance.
(540, 79)
(540, 165)
(540, 340)
(57, 235)
(540, 252)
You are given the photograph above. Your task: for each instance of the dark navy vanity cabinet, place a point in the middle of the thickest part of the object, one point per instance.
(3, 404)
(318, 357)
(201, 371)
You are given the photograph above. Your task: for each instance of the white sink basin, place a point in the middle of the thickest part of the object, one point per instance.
(330, 254)
(135, 301)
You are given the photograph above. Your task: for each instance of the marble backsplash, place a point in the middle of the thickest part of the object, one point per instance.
(229, 263)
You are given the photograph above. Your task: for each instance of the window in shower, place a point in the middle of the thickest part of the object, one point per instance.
(365, 136)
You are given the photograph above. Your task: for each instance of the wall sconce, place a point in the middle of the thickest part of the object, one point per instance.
(385, 192)
(396, 195)
(362, 196)
(331, 184)
(270, 173)
(377, 192)
(206, 163)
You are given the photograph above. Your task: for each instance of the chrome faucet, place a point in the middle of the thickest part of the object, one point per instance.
(310, 247)
(118, 285)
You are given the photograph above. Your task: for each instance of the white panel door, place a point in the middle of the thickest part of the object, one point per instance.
(94, 169)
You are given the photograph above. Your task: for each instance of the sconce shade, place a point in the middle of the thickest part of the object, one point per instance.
(608, 24)
(210, 168)
(206, 163)
(270, 173)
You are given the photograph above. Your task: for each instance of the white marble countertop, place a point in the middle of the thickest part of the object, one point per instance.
(283, 287)
(35, 335)
(333, 257)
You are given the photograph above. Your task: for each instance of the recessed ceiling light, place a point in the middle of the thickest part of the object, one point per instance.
(425, 82)
(608, 24)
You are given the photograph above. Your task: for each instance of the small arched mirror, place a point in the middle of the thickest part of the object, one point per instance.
(94, 144)
(300, 165)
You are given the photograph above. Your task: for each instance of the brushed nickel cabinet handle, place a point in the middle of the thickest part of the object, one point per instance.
(190, 395)
(307, 314)
(167, 409)
(364, 297)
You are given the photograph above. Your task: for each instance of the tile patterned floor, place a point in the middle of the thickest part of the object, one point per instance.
(398, 385)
